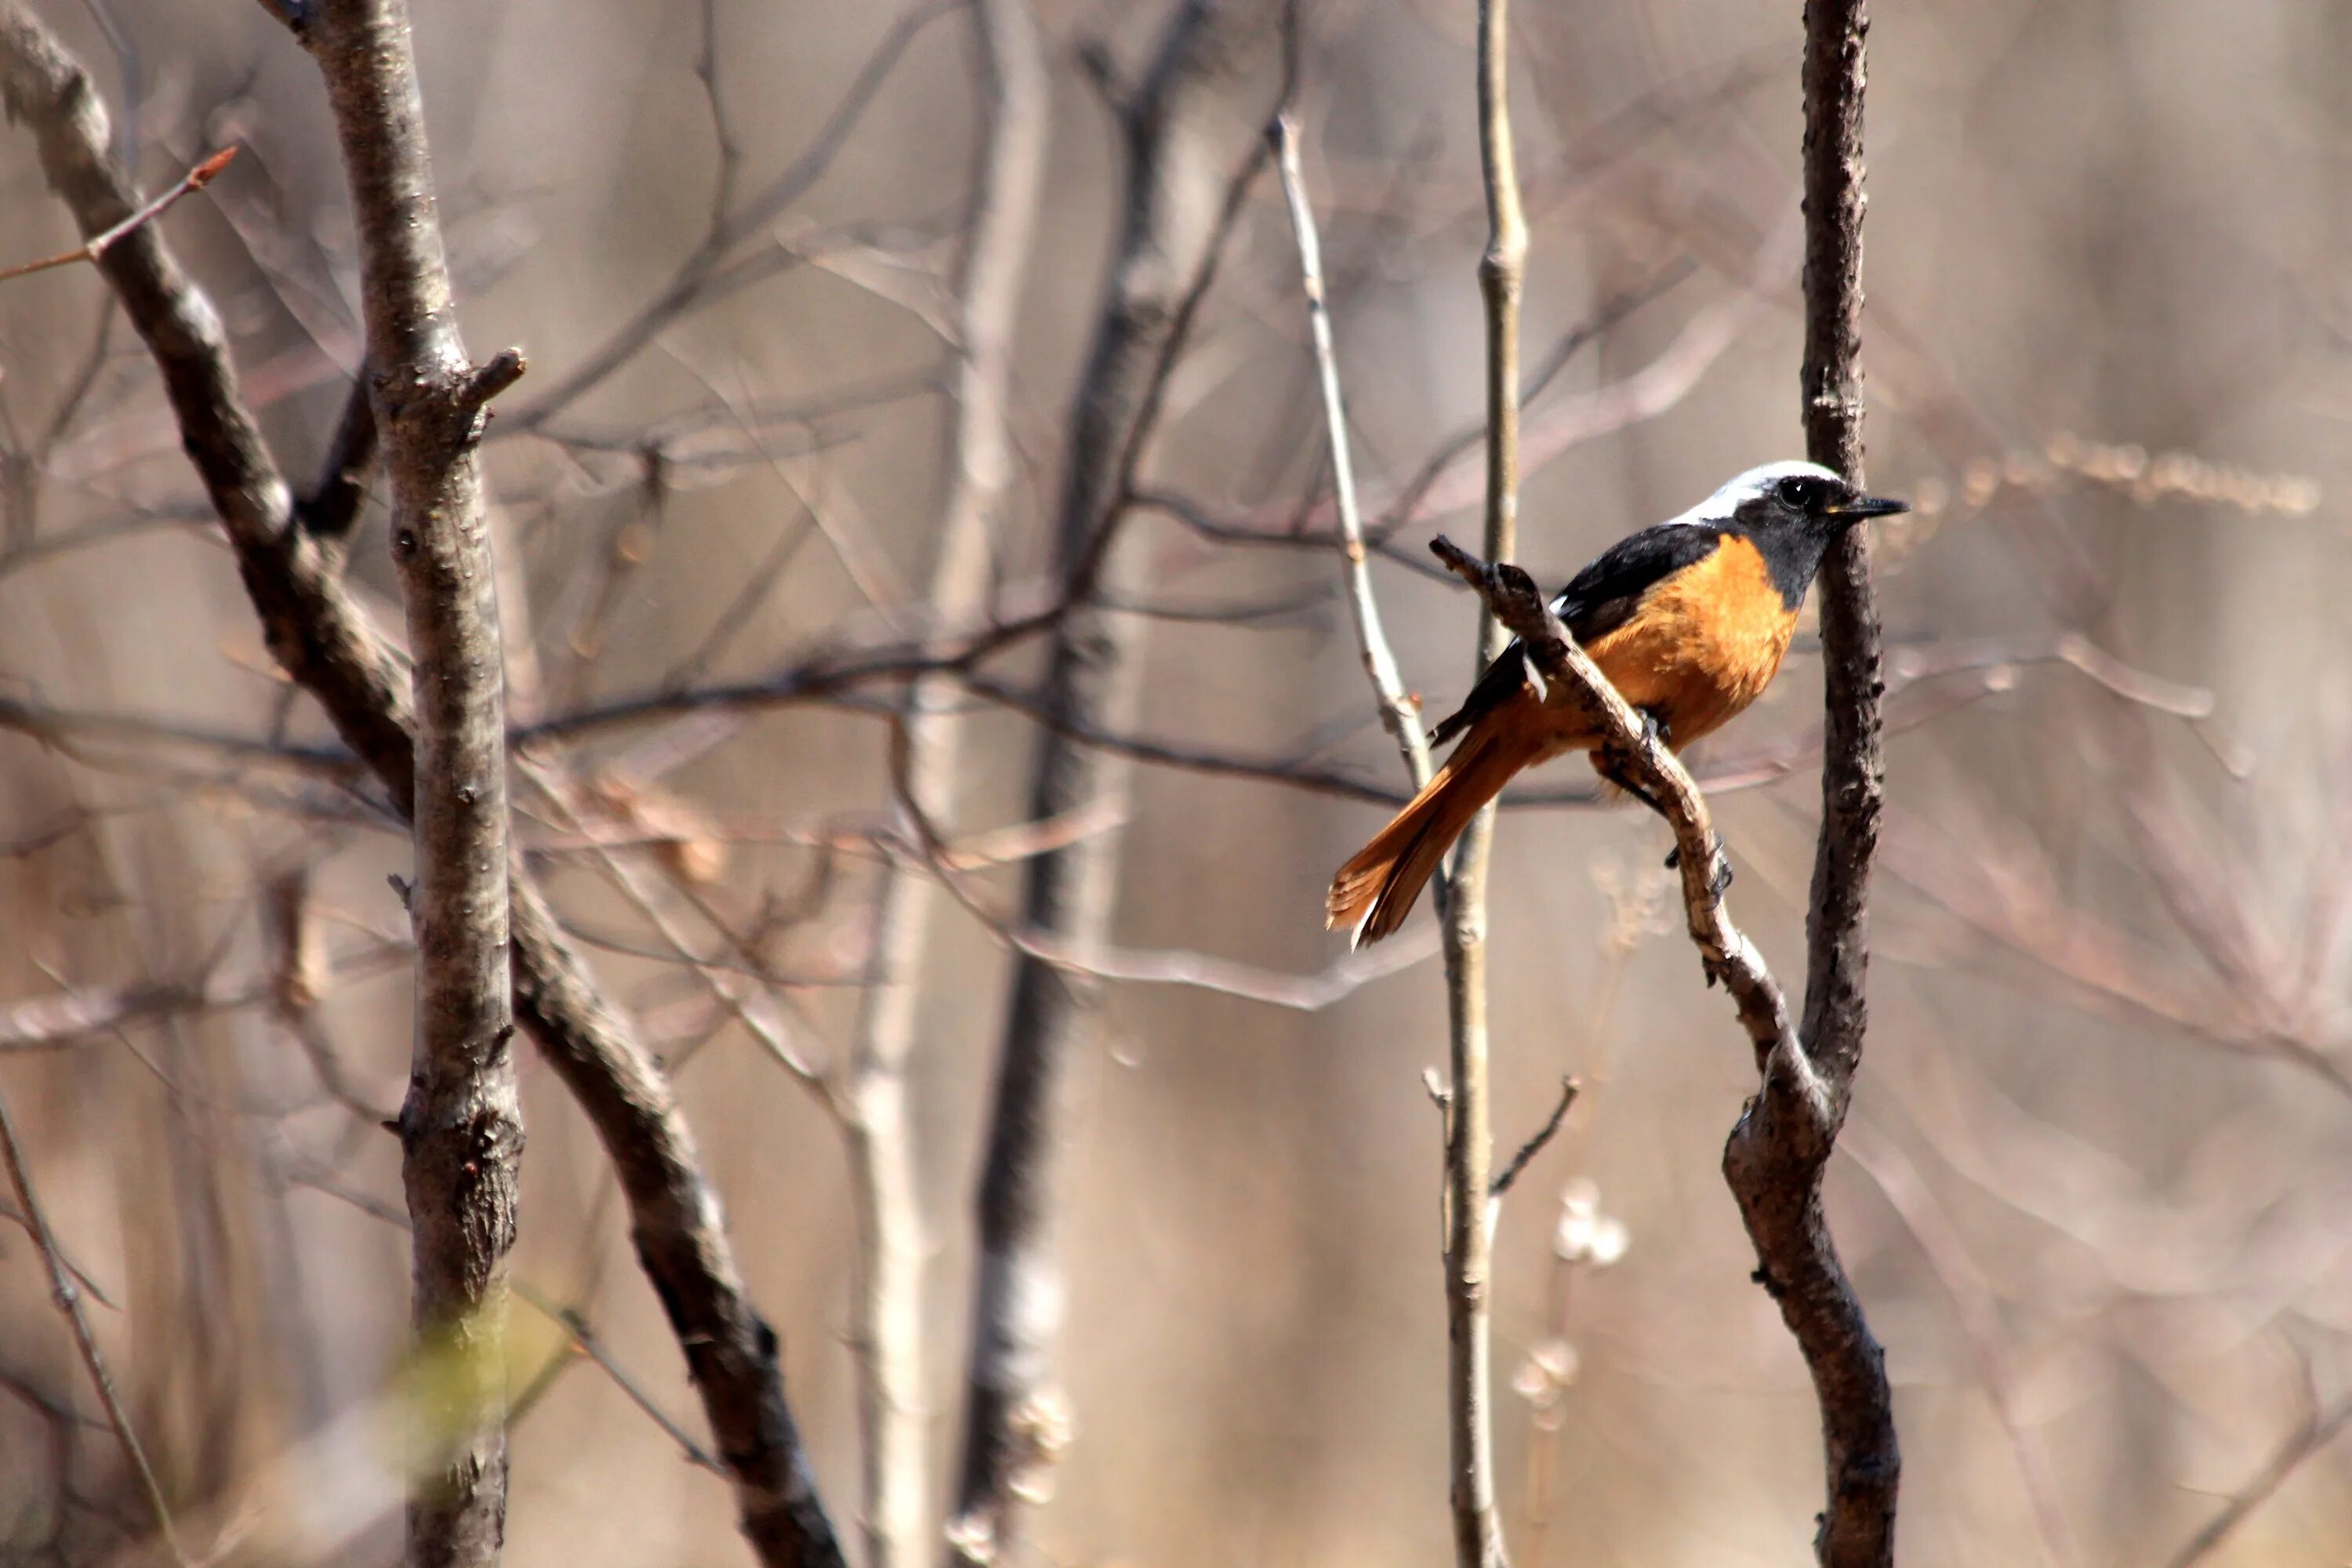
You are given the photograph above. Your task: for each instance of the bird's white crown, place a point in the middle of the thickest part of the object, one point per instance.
(1723, 504)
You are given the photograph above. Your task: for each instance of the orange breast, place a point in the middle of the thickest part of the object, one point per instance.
(1705, 642)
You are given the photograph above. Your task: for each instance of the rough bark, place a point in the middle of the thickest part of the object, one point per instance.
(461, 1125)
(1777, 1152)
(323, 641)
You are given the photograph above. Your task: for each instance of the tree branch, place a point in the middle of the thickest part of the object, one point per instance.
(887, 1303)
(461, 1125)
(1469, 1130)
(97, 245)
(1775, 1156)
(67, 1294)
(1188, 161)
(326, 644)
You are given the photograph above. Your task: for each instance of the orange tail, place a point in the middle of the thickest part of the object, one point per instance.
(1378, 887)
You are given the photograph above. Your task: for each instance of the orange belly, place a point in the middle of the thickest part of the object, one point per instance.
(1703, 646)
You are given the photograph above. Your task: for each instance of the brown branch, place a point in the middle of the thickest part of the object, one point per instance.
(1776, 1153)
(461, 1124)
(326, 644)
(331, 510)
(1187, 167)
(97, 245)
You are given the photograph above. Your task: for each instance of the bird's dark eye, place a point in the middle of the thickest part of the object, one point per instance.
(1798, 493)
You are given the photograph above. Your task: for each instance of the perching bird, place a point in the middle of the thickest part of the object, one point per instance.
(1688, 619)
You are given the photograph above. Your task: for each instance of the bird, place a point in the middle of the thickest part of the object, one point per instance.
(1688, 618)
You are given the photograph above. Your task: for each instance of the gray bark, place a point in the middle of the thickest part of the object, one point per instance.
(1187, 139)
(461, 1126)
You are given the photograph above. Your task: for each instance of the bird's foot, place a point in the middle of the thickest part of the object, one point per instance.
(1653, 736)
(1719, 881)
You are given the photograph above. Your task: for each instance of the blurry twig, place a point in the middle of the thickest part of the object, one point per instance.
(87, 1013)
(1206, 972)
(1162, 966)
(744, 1003)
(706, 273)
(67, 1295)
(1186, 188)
(1979, 1309)
(2318, 1431)
(331, 510)
(575, 1325)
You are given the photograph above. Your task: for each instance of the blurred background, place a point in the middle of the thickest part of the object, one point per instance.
(2095, 1190)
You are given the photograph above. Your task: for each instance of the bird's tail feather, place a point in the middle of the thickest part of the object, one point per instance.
(1380, 884)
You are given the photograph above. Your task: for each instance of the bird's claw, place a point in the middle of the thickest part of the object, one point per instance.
(1719, 882)
(1653, 735)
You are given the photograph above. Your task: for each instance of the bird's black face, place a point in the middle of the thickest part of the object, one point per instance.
(1820, 504)
(1794, 516)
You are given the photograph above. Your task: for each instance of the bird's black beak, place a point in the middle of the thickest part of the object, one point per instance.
(1862, 507)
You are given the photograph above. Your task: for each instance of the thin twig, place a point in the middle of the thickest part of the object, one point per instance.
(68, 1296)
(1535, 1145)
(2314, 1433)
(1399, 712)
(1469, 1130)
(705, 276)
(585, 1337)
(97, 245)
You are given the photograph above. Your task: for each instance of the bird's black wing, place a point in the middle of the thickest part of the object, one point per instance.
(1597, 600)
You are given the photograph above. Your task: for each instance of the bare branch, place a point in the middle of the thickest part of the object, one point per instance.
(331, 510)
(1775, 1156)
(1535, 1145)
(67, 1295)
(1399, 712)
(706, 273)
(325, 642)
(461, 1125)
(576, 1326)
(1187, 169)
(889, 1308)
(1462, 906)
(97, 245)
